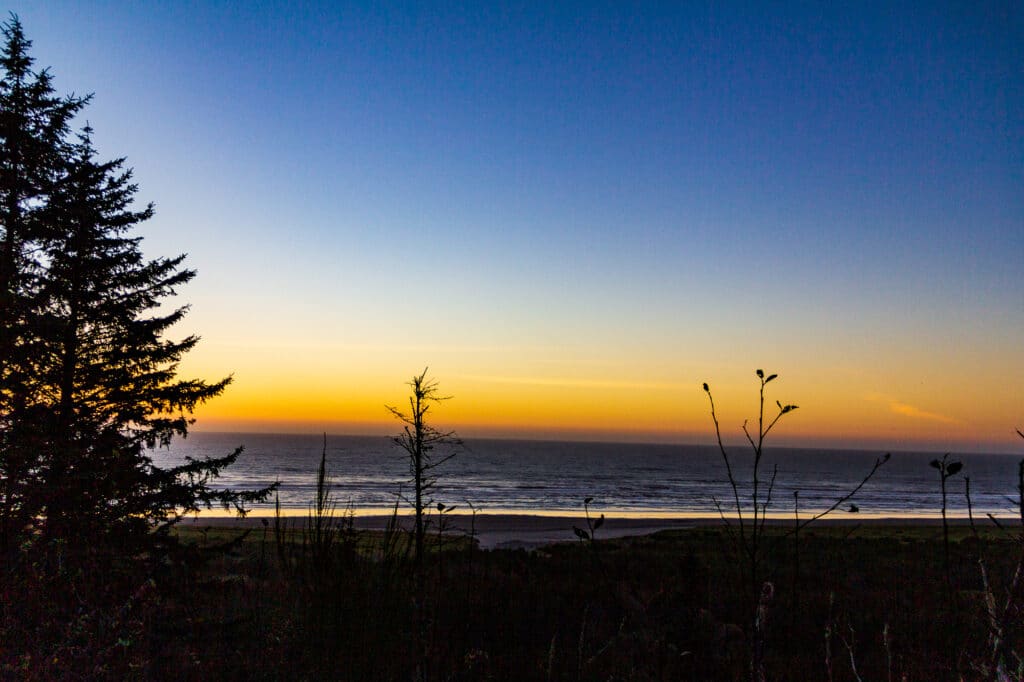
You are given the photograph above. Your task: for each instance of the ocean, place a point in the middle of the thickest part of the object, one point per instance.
(624, 479)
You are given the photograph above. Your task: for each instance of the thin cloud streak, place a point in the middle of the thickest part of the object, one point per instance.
(916, 412)
(912, 411)
(379, 348)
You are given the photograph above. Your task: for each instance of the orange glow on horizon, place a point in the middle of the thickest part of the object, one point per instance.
(625, 393)
(616, 410)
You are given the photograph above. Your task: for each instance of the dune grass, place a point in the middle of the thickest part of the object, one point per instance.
(663, 606)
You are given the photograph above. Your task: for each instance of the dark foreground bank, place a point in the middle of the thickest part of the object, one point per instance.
(845, 601)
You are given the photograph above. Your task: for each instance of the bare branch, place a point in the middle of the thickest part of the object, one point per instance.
(749, 439)
(782, 410)
(874, 469)
(728, 465)
(768, 498)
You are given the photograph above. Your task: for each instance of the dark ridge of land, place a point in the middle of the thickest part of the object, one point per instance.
(674, 604)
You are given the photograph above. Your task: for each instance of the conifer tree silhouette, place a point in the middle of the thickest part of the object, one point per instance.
(102, 386)
(33, 125)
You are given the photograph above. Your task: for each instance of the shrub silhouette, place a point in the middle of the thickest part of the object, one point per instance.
(947, 470)
(748, 535)
(419, 439)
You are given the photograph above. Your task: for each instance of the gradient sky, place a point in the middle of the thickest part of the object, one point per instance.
(575, 213)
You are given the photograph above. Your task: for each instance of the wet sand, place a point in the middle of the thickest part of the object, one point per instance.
(504, 531)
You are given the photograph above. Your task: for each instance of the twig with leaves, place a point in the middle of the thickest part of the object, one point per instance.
(749, 541)
(751, 545)
(749, 536)
(592, 524)
(947, 470)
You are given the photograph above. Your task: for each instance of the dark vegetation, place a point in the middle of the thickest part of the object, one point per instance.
(661, 607)
(420, 439)
(97, 581)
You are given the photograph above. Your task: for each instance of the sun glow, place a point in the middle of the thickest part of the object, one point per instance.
(346, 391)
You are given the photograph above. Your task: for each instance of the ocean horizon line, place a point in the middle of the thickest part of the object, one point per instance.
(775, 518)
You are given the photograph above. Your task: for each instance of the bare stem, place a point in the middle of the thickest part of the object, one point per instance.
(874, 469)
(728, 465)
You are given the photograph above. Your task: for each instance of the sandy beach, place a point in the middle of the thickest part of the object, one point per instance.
(510, 531)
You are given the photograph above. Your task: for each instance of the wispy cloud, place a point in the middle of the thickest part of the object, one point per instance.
(377, 348)
(576, 383)
(908, 410)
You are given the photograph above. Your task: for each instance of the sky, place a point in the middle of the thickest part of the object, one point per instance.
(576, 213)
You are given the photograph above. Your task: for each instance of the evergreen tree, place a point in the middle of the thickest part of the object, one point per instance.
(110, 372)
(33, 126)
(102, 387)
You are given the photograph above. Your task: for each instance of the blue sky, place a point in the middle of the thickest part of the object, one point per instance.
(626, 191)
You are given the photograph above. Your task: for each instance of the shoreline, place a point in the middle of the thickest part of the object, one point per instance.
(530, 530)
